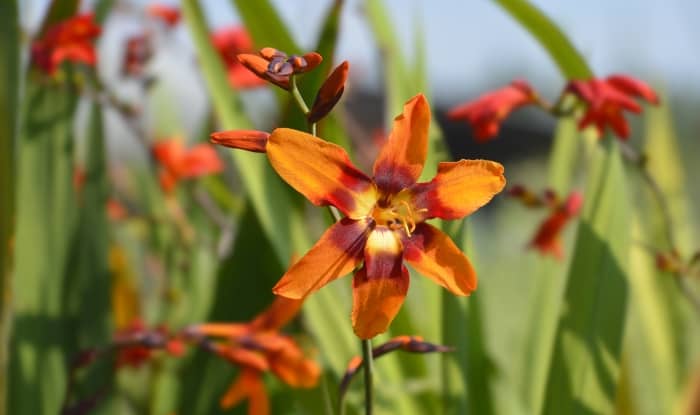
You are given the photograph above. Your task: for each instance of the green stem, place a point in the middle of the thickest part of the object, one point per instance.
(294, 90)
(367, 369)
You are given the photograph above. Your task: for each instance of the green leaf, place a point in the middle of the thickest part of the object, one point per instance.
(569, 61)
(44, 234)
(272, 200)
(265, 26)
(9, 102)
(585, 365)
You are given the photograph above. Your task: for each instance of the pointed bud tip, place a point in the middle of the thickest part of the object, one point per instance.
(250, 140)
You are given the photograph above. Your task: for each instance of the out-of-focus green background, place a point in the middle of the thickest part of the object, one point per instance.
(601, 332)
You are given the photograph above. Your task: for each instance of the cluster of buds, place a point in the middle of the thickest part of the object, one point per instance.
(276, 67)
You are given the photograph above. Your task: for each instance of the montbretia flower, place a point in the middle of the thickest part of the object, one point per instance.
(258, 347)
(276, 67)
(230, 42)
(69, 40)
(547, 240)
(486, 113)
(167, 14)
(180, 163)
(384, 223)
(606, 99)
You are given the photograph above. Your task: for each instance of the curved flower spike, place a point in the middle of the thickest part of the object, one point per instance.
(385, 215)
(486, 113)
(329, 93)
(276, 67)
(606, 99)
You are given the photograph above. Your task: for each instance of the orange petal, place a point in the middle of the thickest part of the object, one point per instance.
(338, 252)
(243, 357)
(290, 365)
(321, 171)
(459, 188)
(251, 140)
(248, 385)
(376, 301)
(434, 255)
(329, 93)
(401, 160)
(312, 59)
(221, 329)
(277, 314)
(169, 152)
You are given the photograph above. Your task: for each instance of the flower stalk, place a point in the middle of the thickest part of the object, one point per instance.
(367, 367)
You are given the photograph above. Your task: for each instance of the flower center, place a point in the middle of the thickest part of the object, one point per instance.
(396, 212)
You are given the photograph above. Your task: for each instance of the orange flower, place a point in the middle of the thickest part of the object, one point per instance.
(230, 42)
(138, 52)
(259, 347)
(276, 67)
(329, 93)
(547, 239)
(486, 113)
(606, 99)
(179, 163)
(168, 14)
(385, 215)
(70, 40)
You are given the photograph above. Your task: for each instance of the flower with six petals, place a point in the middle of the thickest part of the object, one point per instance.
(180, 163)
(69, 40)
(384, 223)
(606, 99)
(486, 113)
(259, 347)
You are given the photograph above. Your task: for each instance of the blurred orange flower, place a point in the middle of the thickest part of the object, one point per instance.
(606, 99)
(180, 163)
(259, 347)
(486, 113)
(276, 67)
(385, 215)
(230, 42)
(167, 14)
(547, 240)
(69, 40)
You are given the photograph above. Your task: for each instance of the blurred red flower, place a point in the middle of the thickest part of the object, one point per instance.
(180, 163)
(486, 113)
(136, 344)
(606, 99)
(230, 42)
(168, 14)
(69, 40)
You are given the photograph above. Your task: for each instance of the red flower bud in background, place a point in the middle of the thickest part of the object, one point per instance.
(230, 42)
(606, 99)
(167, 14)
(137, 52)
(276, 67)
(486, 113)
(69, 40)
(329, 93)
(547, 240)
